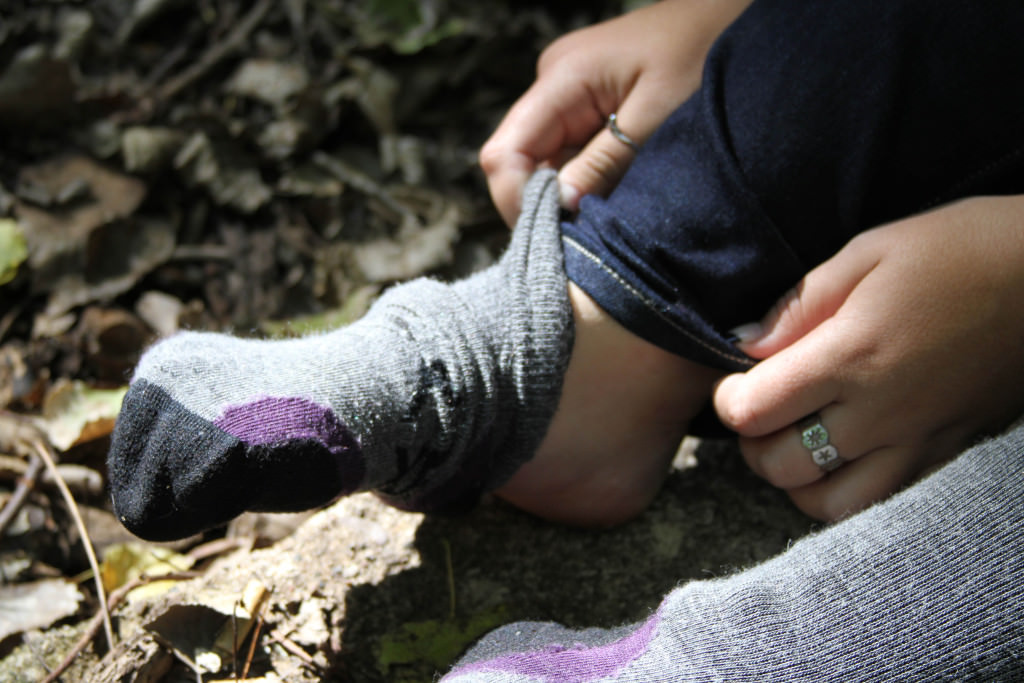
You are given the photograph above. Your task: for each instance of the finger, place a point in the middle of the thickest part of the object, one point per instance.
(853, 487)
(785, 461)
(816, 298)
(598, 168)
(550, 116)
(806, 342)
(507, 185)
(781, 390)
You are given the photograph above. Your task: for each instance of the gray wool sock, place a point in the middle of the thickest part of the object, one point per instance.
(927, 586)
(438, 394)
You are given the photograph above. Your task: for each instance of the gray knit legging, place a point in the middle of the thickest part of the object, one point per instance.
(926, 586)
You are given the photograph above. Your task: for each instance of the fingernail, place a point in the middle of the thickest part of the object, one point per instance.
(744, 334)
(568, 196)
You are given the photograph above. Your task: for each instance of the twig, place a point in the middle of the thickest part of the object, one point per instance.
(202, 252)
(252, 643)
(451, 577)
(114, 600)
(43, 451)
(363, 183)
(300, 36)
(166, 63)
(234, 637)
(26, 483)
(216, 547)
(16, 431)
(9, 318)
(215, 53)
(80, 479)
(294, 649)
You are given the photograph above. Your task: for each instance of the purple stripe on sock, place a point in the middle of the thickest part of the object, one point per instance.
(577, 663)
(270, 421)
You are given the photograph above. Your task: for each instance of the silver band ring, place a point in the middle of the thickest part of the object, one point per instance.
(613, 127)
(815, 438)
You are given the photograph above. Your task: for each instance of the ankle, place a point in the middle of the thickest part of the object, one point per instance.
(625, 407)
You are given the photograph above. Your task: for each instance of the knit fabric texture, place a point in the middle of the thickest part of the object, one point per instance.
(437, 395)
(926, 586)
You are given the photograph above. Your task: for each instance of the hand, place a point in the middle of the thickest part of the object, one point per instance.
(909, 343)
(641, 65)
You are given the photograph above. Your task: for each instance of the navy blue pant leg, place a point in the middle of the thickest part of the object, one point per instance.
(815, 120)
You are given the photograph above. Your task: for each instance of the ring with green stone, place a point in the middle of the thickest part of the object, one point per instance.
(815, 438)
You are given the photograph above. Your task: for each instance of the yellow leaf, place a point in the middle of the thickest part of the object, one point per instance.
(126, 562)
(13, 249)
(74, 413)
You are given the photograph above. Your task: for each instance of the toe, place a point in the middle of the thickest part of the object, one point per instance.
(161, 464)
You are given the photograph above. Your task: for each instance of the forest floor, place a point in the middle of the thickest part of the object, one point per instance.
(267, 168)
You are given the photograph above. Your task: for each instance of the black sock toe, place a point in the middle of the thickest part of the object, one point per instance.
(161, 459)
(173, 473)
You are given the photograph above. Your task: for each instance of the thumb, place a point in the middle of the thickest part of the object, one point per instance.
(815, 299)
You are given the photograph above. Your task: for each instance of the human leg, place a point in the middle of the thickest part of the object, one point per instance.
(436, 395)
(439, 394)
(925, 586)
(155, 472)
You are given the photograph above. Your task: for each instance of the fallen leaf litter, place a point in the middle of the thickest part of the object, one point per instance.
(268, 168)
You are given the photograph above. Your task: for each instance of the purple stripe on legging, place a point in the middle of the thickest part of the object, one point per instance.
(270, 421)
(571, 664)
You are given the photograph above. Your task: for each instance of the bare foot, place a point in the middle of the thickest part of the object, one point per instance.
(625, 408)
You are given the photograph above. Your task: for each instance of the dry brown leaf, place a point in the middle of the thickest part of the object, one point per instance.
(222, 170)
(35, 86)
(120, 254)
(415, 251)
(149, 148)
(28, 606)
(112, 340)
(161, 311)
(79, 195)
(268, 80)
(207, 632)
(16, 378)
